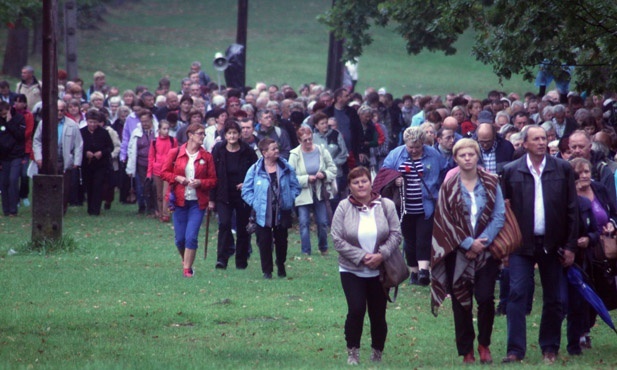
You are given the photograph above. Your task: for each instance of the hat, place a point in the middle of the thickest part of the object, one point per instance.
(382, 91)
(485, 117)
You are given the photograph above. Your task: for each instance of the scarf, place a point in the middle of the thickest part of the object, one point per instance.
(451, 226)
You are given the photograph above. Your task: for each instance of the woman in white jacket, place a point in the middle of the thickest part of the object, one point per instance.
(314, 169)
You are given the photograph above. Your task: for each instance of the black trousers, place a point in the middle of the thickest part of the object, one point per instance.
(93, 182)
(362, 293)
(266, 237)
(417, 233)
(483, 290)
(226, 239)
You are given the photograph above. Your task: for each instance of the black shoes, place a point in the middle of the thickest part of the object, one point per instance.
(424, 277)
(267, 275)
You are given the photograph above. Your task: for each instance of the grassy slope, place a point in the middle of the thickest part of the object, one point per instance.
(121, 302)
(143, 41)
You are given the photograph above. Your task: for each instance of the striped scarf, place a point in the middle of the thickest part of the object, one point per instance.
(451, 226)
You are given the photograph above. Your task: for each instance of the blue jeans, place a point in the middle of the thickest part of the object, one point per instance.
(521, 273)
(9, 185)
(321, 217)
(187, 221)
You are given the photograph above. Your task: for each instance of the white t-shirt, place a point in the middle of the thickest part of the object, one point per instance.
(189, 173)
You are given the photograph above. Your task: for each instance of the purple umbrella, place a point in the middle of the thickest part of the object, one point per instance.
(575, 278)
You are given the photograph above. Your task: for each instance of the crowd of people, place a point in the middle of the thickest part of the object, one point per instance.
(431, 172)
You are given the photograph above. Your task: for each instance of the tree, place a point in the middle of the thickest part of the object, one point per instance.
(513, 37)
(18, 16)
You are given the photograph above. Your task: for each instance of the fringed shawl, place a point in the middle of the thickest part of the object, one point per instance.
(451, 226)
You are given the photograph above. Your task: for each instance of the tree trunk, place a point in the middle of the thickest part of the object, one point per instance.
(37, 40)
(16, 52)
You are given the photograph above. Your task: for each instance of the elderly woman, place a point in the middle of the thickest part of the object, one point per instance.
(422, 168)
(270, 187)
(190, 172)
(365, 230)
(314, 170)
(368, 137)
(598, 210)
(469, 215)
(96, 162)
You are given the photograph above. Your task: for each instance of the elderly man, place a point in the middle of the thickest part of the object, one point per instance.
(70, 149)
(204, 79)
(564, 126)
(580, 146)
(267, 129)
(348, 122)
(172, 104)
(543, 197)
(30, 87)
(496, 151)
(248, 135)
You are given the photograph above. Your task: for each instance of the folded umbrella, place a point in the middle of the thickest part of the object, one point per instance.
(575, 278)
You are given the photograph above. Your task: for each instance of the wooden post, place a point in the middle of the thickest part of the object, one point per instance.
(47, 199)
(241, 32)
(70, 37)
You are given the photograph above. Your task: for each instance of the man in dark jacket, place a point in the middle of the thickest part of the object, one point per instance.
(543, 197)
(12, 152)
(496, 151)
(348, 122)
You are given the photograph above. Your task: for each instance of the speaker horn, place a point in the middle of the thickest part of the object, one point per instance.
(220, 63)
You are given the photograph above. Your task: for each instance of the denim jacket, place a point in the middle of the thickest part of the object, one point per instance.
(497, 218)
(256, 188)
(434, 165)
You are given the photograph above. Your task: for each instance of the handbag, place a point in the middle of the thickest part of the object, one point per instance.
(607, 248)
(393, 272)
(251, 226)
(509, 237)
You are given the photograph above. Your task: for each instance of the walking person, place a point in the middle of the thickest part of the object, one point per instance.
(189, 170)
(232, 159)
(270, 188)
(365, 230)
(314, 170)
(137, 163)
(96, 162)
(156, 160)
(469, 214)
(543, 197)
(422, 168)
(12, 152)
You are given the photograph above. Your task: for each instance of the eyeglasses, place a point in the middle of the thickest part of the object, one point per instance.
(308, 140)
(200, 133)
(234, 105)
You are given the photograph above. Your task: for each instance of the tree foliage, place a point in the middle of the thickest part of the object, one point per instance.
(511, 36)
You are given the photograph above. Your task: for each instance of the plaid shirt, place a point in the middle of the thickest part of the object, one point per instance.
(489, 159)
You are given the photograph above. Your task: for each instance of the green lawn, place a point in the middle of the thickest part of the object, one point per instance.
(120, 301)
(146, 40)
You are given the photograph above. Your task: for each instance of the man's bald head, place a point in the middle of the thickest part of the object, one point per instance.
(450, 123)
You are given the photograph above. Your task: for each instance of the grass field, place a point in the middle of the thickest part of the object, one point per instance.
(146, 40)
(120, 302)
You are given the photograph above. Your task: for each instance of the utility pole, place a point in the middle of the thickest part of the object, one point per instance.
(47, 204)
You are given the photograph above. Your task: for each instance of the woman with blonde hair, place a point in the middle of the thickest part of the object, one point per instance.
(469, 214)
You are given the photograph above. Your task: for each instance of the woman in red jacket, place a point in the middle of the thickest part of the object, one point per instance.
(156, 159)
(190, 172)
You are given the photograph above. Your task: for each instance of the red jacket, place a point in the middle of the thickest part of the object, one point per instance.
(204, 170)
(158, 154)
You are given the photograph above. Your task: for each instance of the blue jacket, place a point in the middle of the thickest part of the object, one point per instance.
(434, 165)
(257, 182)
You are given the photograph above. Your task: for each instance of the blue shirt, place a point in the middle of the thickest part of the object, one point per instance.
(497, 218)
